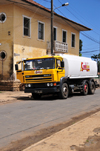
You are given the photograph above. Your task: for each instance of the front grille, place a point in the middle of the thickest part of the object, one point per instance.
(38, 78)
(34, 76)
(39, 85)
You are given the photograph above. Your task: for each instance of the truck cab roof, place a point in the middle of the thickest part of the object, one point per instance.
(47, 56)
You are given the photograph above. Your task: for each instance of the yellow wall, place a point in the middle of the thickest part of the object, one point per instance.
(6, 40)
(69, 29)
(28, 46)
(31, 46)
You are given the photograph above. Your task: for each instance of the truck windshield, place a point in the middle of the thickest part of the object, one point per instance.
(37, 64)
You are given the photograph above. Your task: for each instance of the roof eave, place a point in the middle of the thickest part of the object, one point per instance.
(82, 27)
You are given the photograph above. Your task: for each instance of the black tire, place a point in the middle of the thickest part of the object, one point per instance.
(85, 87)
(91, 87)
(36, 96)
(64, 91)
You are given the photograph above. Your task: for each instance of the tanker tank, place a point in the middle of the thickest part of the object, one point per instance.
(79, 67)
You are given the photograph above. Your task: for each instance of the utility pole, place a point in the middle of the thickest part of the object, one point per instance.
(52, 35)
(99, 55)
(52, 17)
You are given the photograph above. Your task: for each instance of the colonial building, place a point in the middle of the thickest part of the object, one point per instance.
(25, 31)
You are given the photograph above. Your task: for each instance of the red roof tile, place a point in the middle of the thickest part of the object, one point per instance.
(37, 4)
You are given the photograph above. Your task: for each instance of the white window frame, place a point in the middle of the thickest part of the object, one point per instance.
(43, 30)
(66, 35)
(56, 32)
(71, 40)
(29, 26)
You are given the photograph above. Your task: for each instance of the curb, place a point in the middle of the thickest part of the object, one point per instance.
(57, 133)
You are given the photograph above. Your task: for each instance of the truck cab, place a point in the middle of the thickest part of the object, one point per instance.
(41, 75)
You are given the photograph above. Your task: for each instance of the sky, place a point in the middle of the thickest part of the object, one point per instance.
(85, 12)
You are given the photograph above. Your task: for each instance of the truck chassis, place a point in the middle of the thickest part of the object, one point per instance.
(63, 88)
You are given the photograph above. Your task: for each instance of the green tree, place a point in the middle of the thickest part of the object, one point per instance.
(96, 58)
(80, 47)
(98, 66)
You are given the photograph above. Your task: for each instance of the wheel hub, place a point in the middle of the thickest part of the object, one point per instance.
(65, 90)
(85, 88)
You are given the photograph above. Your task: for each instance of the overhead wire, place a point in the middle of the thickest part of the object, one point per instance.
(63, 15)
(59, 11)
(46, 1)
(68, 23)
(79, 13)
(90, 51)
(17, 2)
(73, 8)
(30, 16)
(91, 38)
(34, 14)
(72, 13)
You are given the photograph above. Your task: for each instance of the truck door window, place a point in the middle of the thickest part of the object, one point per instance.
(58, 64)
(20, 66)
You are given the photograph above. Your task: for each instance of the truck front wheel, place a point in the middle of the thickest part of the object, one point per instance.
(64, 91)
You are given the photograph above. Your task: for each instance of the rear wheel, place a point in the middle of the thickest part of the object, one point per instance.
(64, 91)
(36, 96)
(91, 87)
(85, 87)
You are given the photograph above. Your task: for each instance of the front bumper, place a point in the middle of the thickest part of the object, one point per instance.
(42, 90)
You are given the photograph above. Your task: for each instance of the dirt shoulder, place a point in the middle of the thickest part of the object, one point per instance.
(81, 136)
(13, 96)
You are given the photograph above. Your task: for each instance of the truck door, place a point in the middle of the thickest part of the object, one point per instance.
(20, 72)
(59, 69)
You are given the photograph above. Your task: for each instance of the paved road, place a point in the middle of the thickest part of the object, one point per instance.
(19, 119)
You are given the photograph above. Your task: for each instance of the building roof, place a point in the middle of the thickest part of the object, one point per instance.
(30, 4)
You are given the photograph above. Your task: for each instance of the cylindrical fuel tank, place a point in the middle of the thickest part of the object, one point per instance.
(79, 67)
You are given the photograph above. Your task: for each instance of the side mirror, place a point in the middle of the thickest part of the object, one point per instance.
(62, 64)
(16, 66)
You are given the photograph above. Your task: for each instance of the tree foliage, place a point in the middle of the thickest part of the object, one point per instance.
(97, 59)
(80, 47)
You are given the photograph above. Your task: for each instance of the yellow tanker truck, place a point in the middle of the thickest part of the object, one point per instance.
(61, 74)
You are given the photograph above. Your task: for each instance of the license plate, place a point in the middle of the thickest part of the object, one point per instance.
(38, 91)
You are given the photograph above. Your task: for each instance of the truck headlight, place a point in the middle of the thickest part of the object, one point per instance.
(29, 85)
(51, 84)
(48, 84)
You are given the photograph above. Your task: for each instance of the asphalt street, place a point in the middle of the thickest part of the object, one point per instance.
(20, 119)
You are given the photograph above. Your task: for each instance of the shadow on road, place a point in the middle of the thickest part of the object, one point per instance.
(43, 98)
(49, 97)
